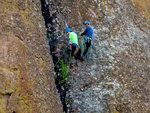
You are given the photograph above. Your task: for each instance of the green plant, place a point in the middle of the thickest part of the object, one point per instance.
(64, 71)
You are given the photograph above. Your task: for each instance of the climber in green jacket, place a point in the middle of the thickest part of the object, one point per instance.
(72, 44)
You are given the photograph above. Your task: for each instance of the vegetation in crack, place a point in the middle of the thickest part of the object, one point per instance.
(64, 71)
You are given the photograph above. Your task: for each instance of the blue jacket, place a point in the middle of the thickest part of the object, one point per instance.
(88, 31)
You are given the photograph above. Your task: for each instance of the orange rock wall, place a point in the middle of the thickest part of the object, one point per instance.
(26, 68)
(143, 6)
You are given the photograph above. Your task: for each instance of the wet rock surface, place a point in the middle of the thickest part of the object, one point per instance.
(26, 69)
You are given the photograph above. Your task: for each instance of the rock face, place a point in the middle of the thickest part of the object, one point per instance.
(26, 68)
(115, 78)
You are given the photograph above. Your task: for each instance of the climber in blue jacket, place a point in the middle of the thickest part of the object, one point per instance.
(88, 36)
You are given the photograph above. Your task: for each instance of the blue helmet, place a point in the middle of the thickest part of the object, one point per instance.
(68, 30)
(86, 22)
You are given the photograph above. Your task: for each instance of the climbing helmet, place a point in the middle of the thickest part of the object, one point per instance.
(68, 30)
(86, 22)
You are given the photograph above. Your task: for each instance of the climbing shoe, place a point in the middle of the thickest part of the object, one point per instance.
(82, 59)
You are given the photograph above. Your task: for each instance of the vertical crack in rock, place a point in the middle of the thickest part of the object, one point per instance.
(53, 42)
(46, 13)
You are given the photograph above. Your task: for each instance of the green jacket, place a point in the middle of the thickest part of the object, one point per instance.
(73, 37)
